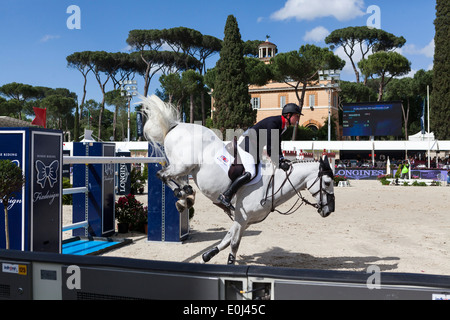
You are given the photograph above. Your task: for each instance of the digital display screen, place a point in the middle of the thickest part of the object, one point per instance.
(372, 119)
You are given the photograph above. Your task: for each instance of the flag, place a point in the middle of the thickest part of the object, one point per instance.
(41, 117)
(422, 118)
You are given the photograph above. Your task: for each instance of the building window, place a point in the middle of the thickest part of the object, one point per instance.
(312, 100)
(282, 101)
(256, 103)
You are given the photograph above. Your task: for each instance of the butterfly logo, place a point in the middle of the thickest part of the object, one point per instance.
(45, 173)
(108, 169)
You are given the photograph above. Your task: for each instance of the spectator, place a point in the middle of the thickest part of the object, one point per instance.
(405, 169)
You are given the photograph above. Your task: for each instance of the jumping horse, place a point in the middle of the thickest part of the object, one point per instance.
(191, 149)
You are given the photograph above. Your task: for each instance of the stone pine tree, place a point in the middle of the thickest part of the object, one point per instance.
(232, 100)
(440, 99)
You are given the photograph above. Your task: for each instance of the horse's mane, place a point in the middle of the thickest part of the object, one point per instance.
(161, 117)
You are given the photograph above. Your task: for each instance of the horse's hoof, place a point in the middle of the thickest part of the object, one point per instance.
(190, 200)
(180, 207)
(231, 259)
(209, 254)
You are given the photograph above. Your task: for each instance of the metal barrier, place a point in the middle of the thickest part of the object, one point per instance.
(32, 275)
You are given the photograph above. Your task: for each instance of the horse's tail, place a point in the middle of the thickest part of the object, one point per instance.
(161, 117)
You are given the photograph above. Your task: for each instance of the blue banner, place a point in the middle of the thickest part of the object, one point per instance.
(359, 173)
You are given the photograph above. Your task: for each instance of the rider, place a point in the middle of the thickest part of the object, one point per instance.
(250, 140)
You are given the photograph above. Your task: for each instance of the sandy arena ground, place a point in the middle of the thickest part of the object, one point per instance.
(399, 229)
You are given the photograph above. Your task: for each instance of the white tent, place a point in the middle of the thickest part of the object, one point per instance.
(422, 137)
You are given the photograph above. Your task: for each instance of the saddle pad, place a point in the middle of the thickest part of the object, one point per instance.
(224, 159)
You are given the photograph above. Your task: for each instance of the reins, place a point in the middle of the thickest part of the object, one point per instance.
(299, 195)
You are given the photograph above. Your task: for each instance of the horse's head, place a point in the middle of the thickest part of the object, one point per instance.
(323, 188)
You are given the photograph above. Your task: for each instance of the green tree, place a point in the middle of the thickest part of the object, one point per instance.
(258, 72)
(402, 89)
(59, 110)
(146, 43)
(19, 92)
(173, 88)
(101, 62)
(114, 98)
(412, 92)
(11, 181)
(364, 38)
(355, 92)
(440, 99)
(192, 82)
(11, 107)
(80, 61)
(385, 65)
(232, 100)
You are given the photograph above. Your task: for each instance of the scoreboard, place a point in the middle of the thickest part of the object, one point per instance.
(372, 119)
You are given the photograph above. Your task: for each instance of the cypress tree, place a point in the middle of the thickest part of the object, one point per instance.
(440, 100)
(232, 100)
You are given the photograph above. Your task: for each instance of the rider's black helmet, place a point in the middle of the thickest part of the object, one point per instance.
(291, 108)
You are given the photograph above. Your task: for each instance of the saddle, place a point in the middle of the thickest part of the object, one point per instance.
(236, 168)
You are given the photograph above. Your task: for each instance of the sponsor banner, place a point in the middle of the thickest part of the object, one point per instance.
(372, 174)
(46, 190)
(123, 175)
(359, 173)
(430, 174)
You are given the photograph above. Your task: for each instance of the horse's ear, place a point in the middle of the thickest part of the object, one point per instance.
(325, 164)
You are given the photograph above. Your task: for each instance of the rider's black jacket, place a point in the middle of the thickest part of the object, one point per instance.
(263, 131)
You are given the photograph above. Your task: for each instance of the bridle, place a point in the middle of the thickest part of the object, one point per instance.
(320, 205)
(330, 196)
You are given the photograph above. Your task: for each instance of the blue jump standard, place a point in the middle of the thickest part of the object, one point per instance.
(90, 246)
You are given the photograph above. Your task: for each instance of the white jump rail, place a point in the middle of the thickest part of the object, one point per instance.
(82, 224)
(100, 160)
(74, 190)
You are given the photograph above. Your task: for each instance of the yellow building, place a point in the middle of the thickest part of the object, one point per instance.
(320, 98)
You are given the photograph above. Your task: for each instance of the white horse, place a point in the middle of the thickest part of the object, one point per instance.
(191, 149)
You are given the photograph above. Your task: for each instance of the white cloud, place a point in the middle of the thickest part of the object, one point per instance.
(342, 10)
(317, 34)
(49, 37)
(427, 51)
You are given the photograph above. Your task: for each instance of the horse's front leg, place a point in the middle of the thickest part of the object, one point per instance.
(235, 241)
(232, 237)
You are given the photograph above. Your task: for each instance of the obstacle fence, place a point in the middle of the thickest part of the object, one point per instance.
(87, 160)
(35, 212)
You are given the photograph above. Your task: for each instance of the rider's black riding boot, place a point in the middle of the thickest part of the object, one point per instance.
(225, 198)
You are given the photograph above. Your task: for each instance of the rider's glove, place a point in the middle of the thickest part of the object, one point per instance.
(284, 164)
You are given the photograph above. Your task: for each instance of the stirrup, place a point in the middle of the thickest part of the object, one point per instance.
(224, 200)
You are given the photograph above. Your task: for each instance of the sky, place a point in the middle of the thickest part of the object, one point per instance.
(38, 35)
